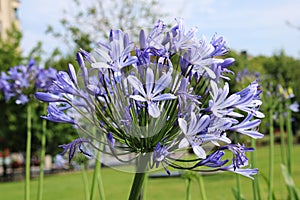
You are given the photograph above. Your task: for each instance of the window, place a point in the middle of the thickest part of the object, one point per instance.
(16, 11)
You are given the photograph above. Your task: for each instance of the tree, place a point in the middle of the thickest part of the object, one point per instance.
(10, 52)
(92, 20)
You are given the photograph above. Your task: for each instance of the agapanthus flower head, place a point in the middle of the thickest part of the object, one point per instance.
(21, 81)
(157, 100)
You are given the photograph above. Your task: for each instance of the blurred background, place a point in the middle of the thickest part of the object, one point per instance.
(263, 37)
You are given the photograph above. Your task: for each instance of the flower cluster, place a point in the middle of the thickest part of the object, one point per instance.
(22, 81)
(161, 98)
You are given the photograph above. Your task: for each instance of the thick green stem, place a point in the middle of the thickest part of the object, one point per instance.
(28, 154)
(271, 155)
(139, 177)
(145, 186)
(42, 159)
(188, 189)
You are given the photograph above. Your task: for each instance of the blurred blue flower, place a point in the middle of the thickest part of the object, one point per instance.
(20, 82)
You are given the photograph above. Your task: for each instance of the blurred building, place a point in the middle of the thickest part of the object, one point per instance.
(8, 15)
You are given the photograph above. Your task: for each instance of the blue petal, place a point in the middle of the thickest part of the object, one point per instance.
(163, 97)
(153, 110)
(48, 97)
(162, 83)
(149, 81)
(136, 84)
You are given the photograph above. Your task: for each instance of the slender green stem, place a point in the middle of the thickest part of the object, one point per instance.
(139, 178)
(42, 159)
(289, 141)
(238, 180)
(255, 185)
(188, 189)
(271, 155)
(282, 137)
(100, 184)
(28, 154)
(201, 187)
(97, 177)
(85, 181)
(289, 150)
(239, 187)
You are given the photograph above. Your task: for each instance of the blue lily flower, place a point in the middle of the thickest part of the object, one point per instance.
(151, 94)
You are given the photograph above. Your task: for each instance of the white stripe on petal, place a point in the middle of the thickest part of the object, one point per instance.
(149, 81)
(162, 97)
(138, 98)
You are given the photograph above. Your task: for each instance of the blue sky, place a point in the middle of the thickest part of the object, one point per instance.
(256, 26)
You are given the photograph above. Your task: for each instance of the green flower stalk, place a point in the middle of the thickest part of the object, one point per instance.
(28, 153)
(271, 155)
(42, 159)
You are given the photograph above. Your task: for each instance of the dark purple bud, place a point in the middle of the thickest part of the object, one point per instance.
(111, 140)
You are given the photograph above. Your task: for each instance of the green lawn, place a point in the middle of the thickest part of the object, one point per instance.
(117, 184)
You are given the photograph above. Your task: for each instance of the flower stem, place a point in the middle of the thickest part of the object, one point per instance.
(85, 181)
(145, 186)
(188, 189)
(97, 177)
(100, 184)
(238, 180)
(289, 141)
(289, 150)
(282, 137)
(139, 178)
(271, 155)
(255, 185)
(201, 187)
(42, 163)
(28, 154)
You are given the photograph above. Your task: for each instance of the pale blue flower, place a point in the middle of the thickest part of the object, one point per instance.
(220, 104)
(248, 127)
(182, 40)
(191, 131)
(116, 55)
(152, 93)
(294, 107)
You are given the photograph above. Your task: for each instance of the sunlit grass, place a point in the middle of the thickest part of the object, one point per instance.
(117, 184)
